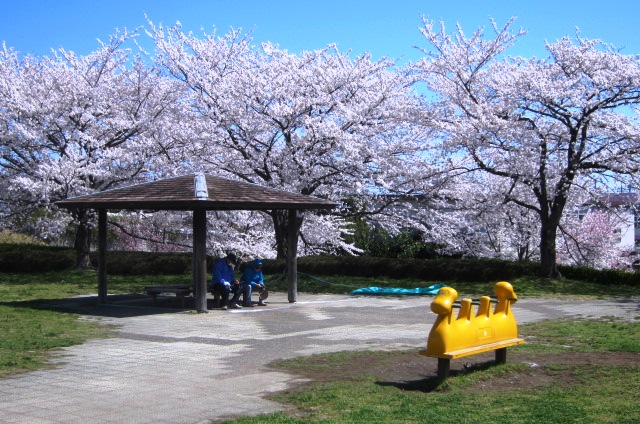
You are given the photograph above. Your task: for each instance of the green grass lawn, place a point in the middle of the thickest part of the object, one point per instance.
(29, 335)
(580, 377)
(32, 330)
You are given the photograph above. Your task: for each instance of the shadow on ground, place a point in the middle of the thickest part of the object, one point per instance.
(118, 305)
(432, 383)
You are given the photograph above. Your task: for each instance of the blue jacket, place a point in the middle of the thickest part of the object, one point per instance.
(222, 272)
(251, 276)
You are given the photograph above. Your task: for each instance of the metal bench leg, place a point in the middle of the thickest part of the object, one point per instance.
(501, 356)
(443, 368)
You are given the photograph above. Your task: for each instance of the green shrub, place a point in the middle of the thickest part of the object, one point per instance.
(377, 242)
(31, 258)
(428, 269)
(24, 247)
(14, 238)
(146, 263)
(601, 276)
(442, 269)
(35, 258)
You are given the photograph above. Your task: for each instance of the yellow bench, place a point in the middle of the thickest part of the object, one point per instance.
(468, 333)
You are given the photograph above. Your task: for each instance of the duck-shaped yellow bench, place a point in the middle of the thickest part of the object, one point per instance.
(468, 333)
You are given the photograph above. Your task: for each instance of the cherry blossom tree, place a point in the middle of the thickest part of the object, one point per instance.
(593, 241)
(76, 124)
(487, 225)
(550, 128)
(316, 123)
(160, 231)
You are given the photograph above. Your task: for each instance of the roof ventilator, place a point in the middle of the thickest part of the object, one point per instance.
(201, 186)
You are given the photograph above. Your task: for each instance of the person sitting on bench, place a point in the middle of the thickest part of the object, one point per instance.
(224, 281)
(252, 280)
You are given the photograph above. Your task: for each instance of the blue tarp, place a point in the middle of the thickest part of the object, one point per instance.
(431, 290)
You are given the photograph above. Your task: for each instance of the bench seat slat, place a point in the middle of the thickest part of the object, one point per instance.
(171, 288)
(180, 290)
(474, 350)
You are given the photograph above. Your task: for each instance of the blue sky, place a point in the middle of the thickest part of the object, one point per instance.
(383, 28)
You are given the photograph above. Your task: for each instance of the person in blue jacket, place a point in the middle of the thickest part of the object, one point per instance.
(224, 281)
(252, 280)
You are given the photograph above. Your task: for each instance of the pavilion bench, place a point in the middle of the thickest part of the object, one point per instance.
(180, 290)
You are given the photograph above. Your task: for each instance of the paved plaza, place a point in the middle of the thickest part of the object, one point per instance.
(169, 365)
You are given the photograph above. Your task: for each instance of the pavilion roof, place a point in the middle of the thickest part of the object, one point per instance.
(195, 191)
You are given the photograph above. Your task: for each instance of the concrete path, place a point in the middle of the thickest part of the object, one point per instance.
(170, 366)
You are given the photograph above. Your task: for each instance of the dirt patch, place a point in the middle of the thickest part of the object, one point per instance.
(410, 371)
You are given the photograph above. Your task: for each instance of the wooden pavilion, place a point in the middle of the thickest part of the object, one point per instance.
(198, 193)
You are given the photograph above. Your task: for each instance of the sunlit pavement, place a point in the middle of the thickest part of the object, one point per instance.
(173, 366)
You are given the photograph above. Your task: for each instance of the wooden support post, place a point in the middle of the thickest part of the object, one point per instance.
(102, 256)
(444, 366)
(200, 258)
(292, 256)
(194, 283)
(501, 356)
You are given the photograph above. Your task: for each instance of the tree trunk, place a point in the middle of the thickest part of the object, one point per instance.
(523, 253)
(548, 266)
(281, 226)
(551, 213)
(548, 230)
(82, 243)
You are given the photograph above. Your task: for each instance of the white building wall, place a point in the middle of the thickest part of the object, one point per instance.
(627, 230)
